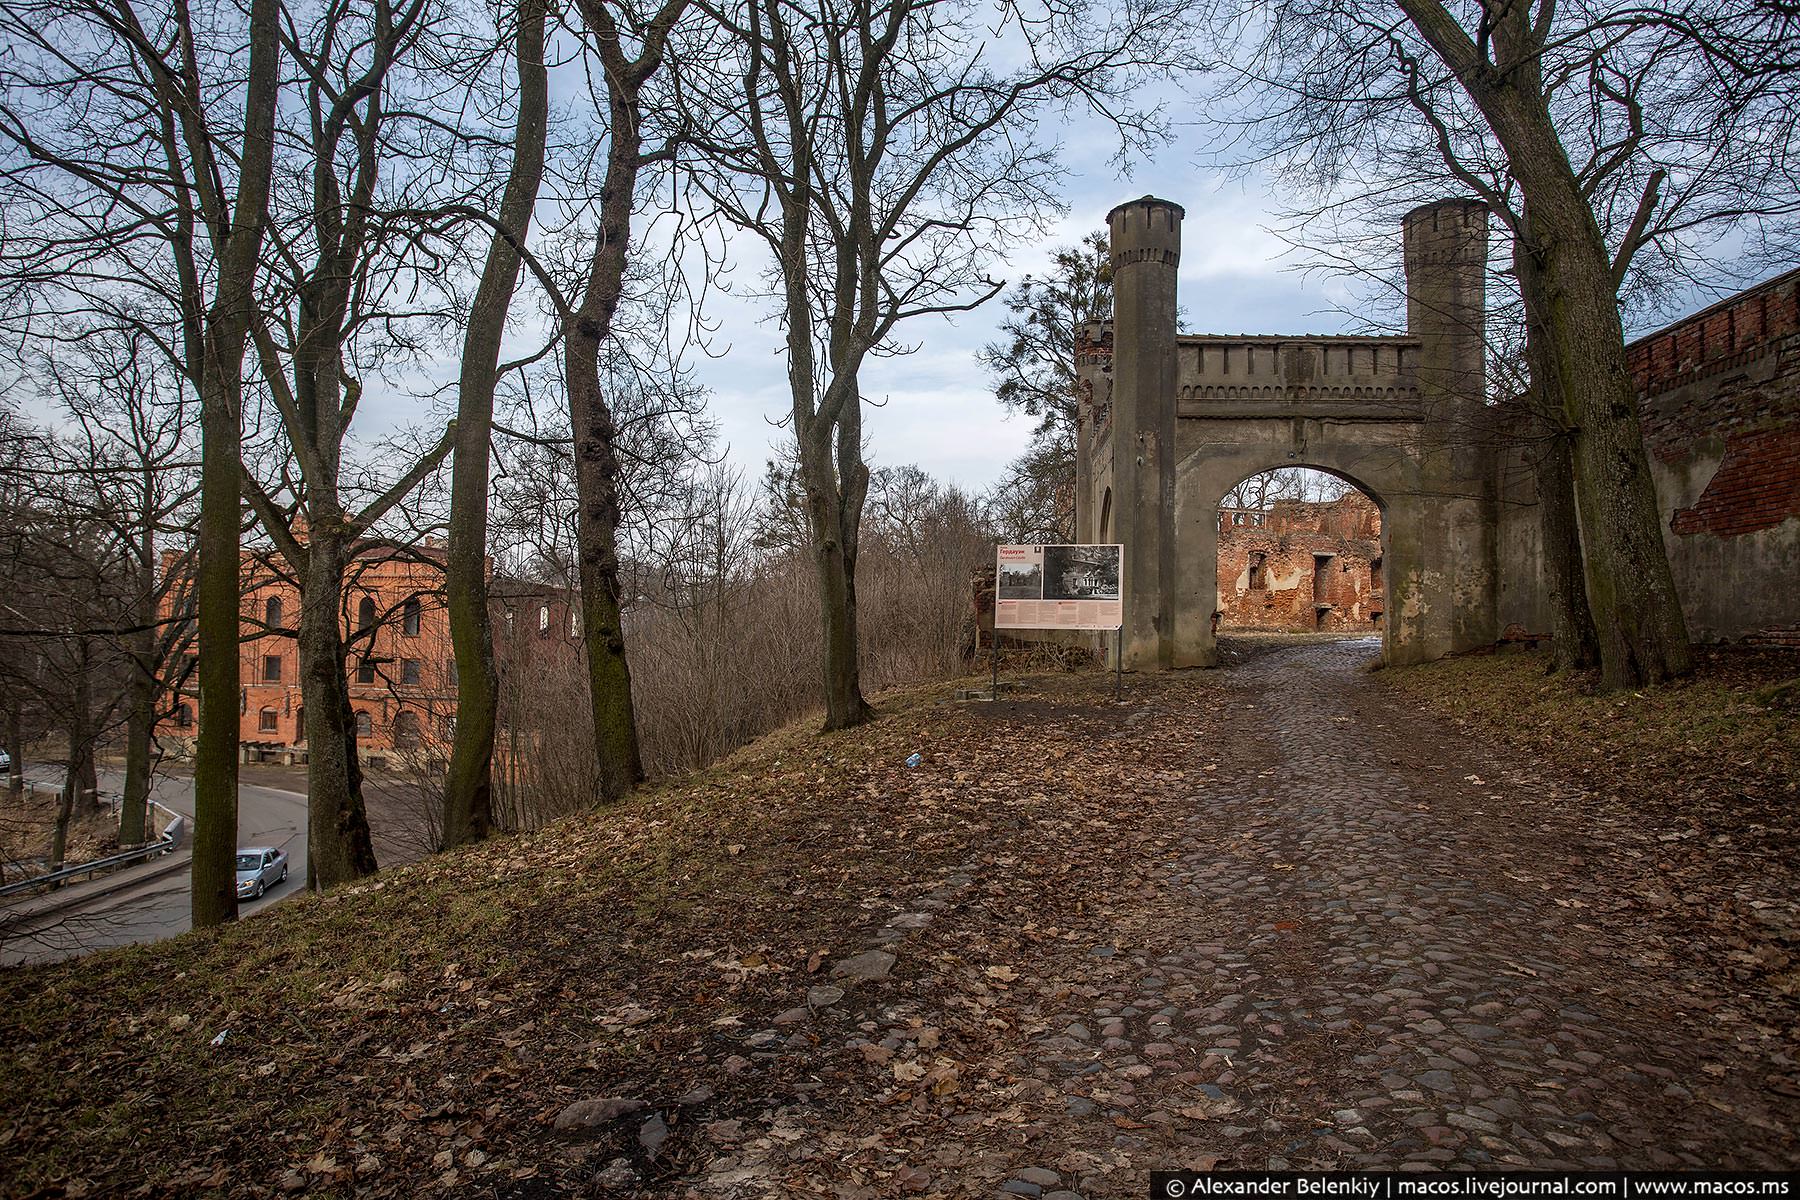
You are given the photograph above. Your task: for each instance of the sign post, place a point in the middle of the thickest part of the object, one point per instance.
(1059, 587)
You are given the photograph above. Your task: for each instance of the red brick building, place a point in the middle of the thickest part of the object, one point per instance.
(401, 668)
(1301, 566)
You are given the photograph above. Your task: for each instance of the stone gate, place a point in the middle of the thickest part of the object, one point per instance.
(1170, 422)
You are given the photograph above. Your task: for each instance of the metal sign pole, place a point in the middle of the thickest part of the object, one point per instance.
(1118, 662)
(994, 666)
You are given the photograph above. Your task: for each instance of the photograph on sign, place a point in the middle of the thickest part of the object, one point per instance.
(1022, 578)
(1081, 572)
(1058, 587)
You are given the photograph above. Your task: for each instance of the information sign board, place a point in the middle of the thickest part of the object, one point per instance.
(1059, 587)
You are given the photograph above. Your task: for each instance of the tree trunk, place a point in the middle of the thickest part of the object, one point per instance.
(468, 788)
(15, 782)
(339, 848)
(1631, 591)
(1574, 644)
(65, 809)
(216, 599)
(834, 557)
(1637, 615)
(602, 618)
(597, 461)
(140, 721)
(77, 793)
(214, 894)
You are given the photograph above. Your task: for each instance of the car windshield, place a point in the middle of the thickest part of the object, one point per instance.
(249, 862)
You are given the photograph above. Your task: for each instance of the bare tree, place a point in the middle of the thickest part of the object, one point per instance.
(363, 237)
(883, 162)
(630, 46)
(142, 168)
(468, 785)
(1602, 135)
(131, 445)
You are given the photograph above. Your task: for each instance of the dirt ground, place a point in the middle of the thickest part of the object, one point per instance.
(1289, 914)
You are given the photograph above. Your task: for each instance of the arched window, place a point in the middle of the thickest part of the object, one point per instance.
(543, 619)
(1105, 515)
(406, 730)
(364, 726)
(272, 612)
(267, 721)
(365, 613)
(574, 621)
(409, 617)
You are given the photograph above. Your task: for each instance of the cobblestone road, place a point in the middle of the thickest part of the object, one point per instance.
(1374, 947)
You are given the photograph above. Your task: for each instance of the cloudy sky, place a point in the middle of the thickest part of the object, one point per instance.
(937, 408)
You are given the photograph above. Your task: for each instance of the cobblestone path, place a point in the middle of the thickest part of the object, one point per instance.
(1356, 954)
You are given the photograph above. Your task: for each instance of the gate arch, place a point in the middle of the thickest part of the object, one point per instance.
(1171, 422)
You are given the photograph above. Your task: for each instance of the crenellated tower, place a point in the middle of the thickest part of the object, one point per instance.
(1146, 250)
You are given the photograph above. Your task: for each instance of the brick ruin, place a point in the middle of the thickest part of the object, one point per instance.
(1719, 397)
(1302, 567)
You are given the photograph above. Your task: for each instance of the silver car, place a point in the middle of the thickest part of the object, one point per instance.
(259, 868)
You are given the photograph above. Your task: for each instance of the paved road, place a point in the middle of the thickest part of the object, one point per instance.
(1364, 943)
(267, 816)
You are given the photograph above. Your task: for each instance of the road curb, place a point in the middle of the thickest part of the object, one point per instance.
(21, 918)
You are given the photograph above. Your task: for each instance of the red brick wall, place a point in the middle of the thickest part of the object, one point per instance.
(1729, 377)
(1289, 591)
(1705, 342)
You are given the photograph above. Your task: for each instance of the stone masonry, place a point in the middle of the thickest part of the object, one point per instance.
(1169, 423)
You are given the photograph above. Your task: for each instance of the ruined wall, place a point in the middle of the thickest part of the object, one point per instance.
(1719, 397)
(1302, 567)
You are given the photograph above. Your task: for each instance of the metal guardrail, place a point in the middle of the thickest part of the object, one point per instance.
(173, 835)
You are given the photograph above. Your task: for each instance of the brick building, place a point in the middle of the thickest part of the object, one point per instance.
(401, 668)
(1302, 566)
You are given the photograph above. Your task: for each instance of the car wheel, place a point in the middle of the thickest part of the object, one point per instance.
(260, 889)
(283, 878)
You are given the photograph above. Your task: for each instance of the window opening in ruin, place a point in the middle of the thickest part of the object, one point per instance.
(365, 725)
(271, 668)
(272, 612)
(300, 723)
(406, 730)
(365, 670)
(365, 613)
(409, 671)
(184, 716)
(409, 618)
(266, 721)
(1299, 550)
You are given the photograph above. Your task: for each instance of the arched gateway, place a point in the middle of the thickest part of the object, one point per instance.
(1170, 422)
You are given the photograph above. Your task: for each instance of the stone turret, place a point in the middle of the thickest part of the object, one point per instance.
(1446, 296)
(1146, 248)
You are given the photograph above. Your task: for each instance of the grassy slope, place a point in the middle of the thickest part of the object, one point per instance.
(429, 1024)
(1691, 794)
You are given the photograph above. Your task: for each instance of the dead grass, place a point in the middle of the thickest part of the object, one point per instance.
(349, 1041)
(1719, 734)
